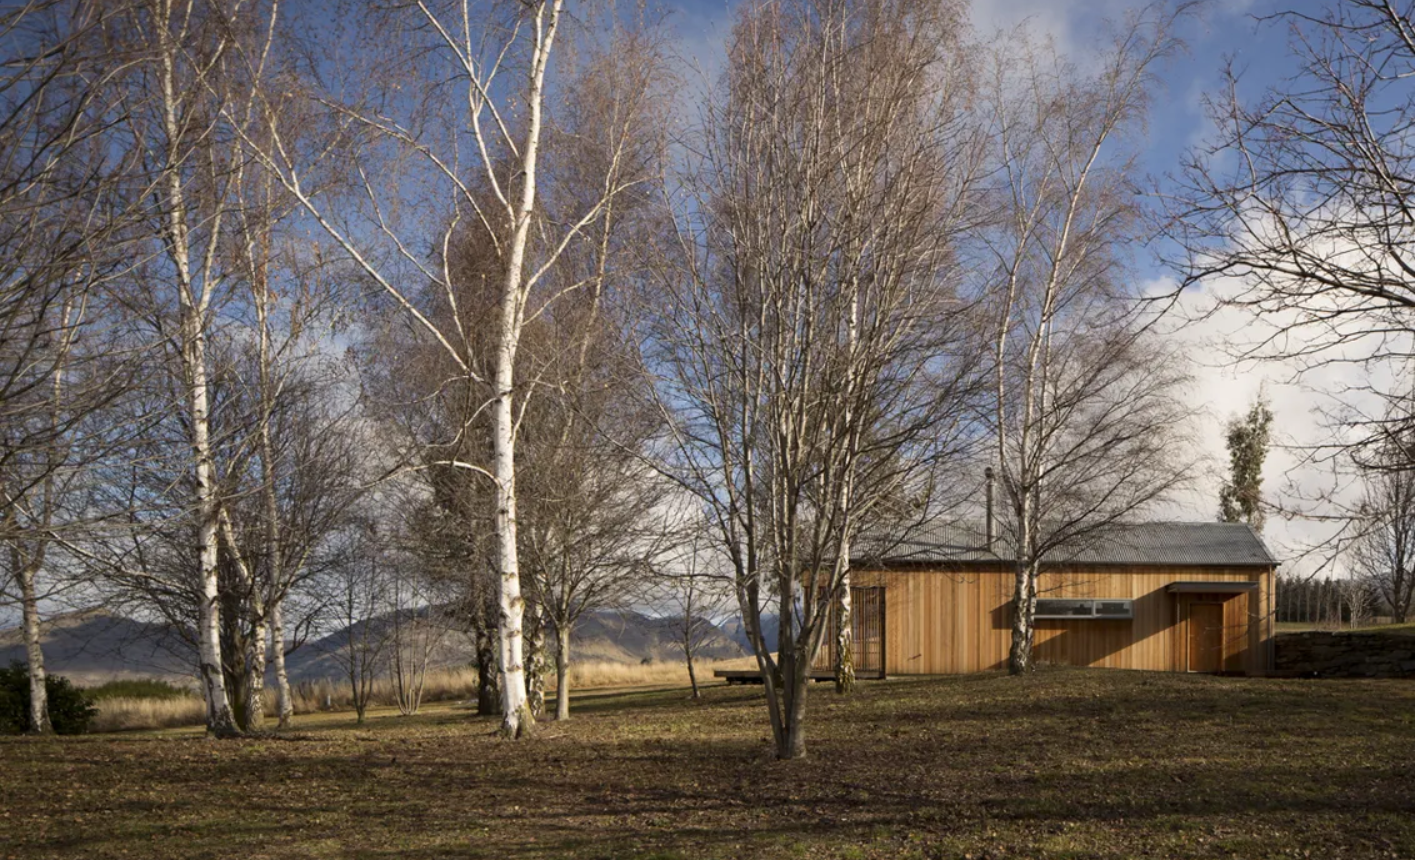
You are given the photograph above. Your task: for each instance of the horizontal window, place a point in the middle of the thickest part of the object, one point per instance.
(1083, 609)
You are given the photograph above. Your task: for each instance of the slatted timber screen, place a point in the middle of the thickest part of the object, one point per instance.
(867, 634)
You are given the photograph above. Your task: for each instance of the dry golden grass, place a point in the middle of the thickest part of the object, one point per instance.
(127, 714)
(119, 713)
(598, 674)
(332, 695)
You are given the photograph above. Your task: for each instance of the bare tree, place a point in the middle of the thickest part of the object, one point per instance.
(421, 619)
(450, 529)
(291, 475)
(487, 64)
(360, 591)
(699, 594)
(185, 106)
(588, 548)
(810, 356)
(1299, 210)
(1383, 556)
(1085, 414)
(62, 223)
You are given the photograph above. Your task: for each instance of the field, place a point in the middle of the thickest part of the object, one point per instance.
(124, 705)
(1069, 763)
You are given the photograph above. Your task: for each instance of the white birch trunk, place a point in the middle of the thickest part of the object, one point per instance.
(845, 654)
(256, 661)
(193, 342)
(34, 654)
(255, 677)
(845, 645)
(563, 672)
(220, 721)
(516, 712)
(284, 706)
(517, 719)
(1024, 598)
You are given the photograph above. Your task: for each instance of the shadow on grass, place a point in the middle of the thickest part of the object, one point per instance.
(1132, 759)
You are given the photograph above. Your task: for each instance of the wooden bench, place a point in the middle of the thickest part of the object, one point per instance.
(753, 676)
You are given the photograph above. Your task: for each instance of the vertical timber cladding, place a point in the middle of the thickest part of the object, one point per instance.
(953, 621)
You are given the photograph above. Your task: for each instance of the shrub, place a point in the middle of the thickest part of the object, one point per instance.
(70, 711)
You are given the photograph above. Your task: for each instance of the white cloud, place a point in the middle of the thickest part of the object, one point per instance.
(1225, 387)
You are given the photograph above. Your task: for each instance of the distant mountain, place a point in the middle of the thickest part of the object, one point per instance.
(615, 637)
(94, 646)
(632, 637)
(735, 630)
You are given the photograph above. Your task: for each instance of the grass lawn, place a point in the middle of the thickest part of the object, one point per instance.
(1401, 628)
(1069, 763)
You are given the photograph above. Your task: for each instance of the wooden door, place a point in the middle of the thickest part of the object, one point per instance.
(1206, 637)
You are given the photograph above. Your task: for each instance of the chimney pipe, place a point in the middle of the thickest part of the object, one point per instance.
(989, 528)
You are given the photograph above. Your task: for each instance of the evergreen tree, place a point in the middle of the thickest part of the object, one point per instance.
(1248, 441)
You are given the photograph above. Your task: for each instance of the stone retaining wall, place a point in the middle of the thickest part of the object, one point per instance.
(1316, 653)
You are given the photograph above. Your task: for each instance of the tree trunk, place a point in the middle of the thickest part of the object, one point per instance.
(274, 567)
(1020, 656)
(845, 647)
(692, 674)
(255, 678)
(488, 696)
(562, 671)
(356, 691)
(535, 639)
(517, 719)
(219, 720)
(39, 694)
(792, 739)
(284, 705)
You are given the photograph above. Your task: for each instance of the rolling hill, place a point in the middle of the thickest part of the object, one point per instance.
(94, 646)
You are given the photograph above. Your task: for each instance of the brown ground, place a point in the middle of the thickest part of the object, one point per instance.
(1070, 763)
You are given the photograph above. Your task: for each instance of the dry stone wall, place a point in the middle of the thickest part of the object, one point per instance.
(1344, 654)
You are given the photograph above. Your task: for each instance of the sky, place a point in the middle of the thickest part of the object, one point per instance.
(1220, 30)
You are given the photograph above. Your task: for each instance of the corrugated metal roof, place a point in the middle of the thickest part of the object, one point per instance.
(1179, 544)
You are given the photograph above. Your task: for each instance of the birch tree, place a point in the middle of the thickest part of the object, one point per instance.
(473, 124)
(294, 441)
(1085, 418)
(183, 105)
(61, 239)
(810, 356)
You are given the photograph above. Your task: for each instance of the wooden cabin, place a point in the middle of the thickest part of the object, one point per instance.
(1177, 597)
